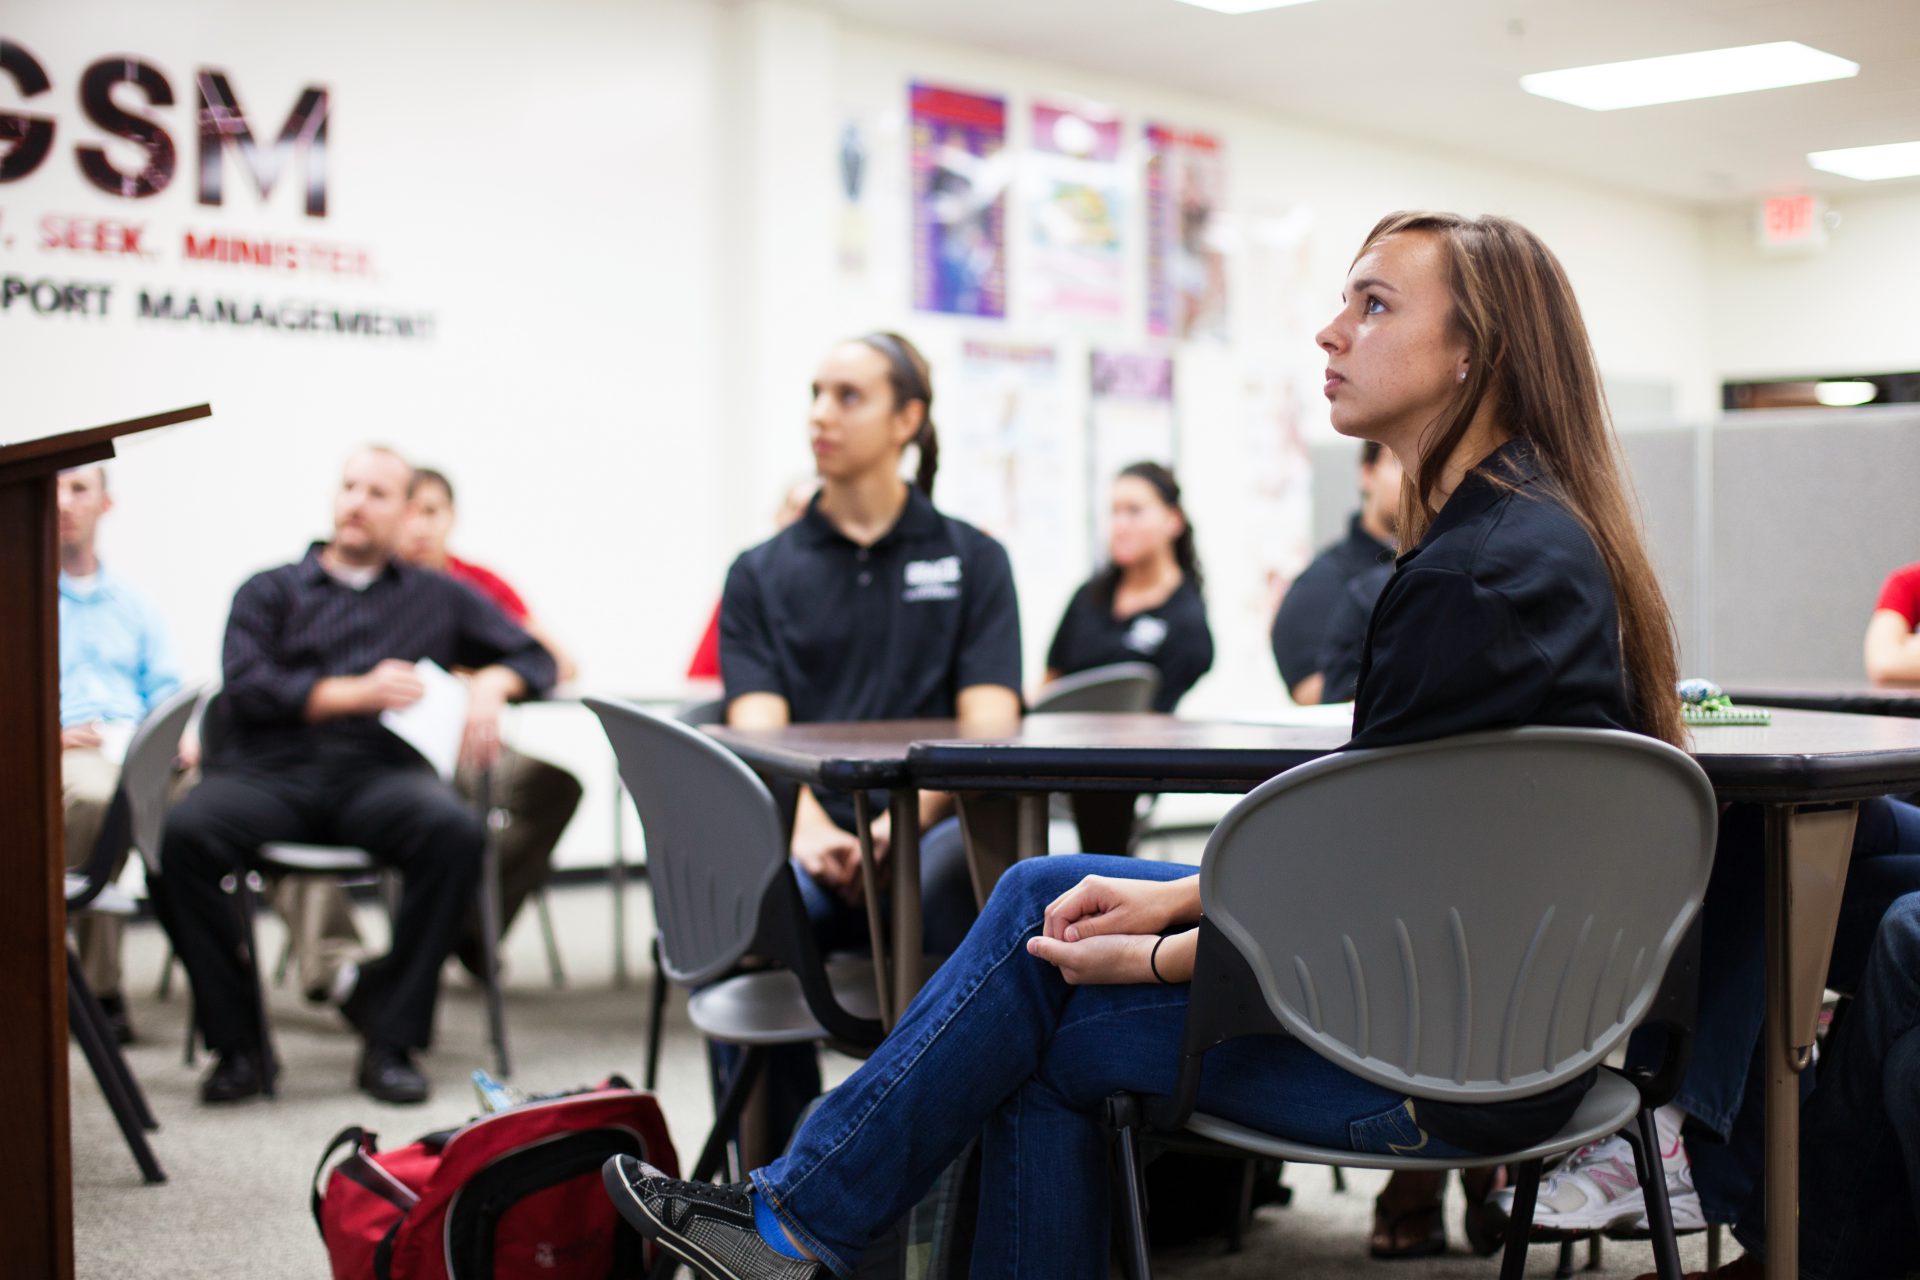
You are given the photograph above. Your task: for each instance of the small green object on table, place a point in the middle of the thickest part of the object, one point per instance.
(1702, 702)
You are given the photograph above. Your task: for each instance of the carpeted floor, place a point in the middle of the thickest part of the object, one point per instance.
(235, 1205)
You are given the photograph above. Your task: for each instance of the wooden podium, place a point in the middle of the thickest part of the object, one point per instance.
(36, 1186)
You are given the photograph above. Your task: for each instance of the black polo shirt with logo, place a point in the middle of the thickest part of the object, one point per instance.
(893, 631)
(1173, 636)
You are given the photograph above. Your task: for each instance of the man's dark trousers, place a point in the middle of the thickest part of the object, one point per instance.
(388, 802)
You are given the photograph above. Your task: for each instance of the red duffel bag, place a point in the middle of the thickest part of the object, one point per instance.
(513, 1194)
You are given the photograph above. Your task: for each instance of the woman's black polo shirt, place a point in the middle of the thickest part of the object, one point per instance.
(1173, 636)
(1503, 615)
(889, 632)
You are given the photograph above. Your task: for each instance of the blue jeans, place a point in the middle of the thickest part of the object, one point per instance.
(1723, 1093)
(792, 1078)
(1860, 1128)
(998, 1046)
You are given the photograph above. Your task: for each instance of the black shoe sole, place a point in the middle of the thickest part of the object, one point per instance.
(641, 1219)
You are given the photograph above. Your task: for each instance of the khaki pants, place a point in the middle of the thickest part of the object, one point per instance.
(538, 799)
(87, 782)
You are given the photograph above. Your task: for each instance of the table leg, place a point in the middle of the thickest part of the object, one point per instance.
(1105, 819)
(1807, 855)
(876, 927)
(999, 828)
(617, 875)
(903, 851)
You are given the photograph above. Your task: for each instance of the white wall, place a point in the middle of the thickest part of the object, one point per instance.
(1846, 309)
(1637, 263)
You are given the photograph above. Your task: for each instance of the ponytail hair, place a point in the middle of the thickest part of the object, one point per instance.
(1185, 553)
(912, 379)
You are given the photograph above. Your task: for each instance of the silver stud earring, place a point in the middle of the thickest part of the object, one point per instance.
(1463, 375)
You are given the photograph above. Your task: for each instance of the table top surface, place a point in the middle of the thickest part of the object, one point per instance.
(1854, 696)
(1802, 755)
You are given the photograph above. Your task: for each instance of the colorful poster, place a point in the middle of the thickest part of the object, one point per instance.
(1004, 444)
(1130, 417)
(960, 172)
(1186, 272)
(1076, 268)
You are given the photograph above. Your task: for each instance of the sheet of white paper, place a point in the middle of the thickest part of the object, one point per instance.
(1330, 715)
(434, 725)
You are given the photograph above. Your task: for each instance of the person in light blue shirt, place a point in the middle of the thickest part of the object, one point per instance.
(115, 667)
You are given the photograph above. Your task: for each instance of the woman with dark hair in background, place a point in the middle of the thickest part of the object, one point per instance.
(1525, 597)
(872, 605)
(1145, 605)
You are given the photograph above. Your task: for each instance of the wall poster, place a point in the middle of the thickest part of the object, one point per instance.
(1186, 272)
(1130, 418)
(960, 173)
(1075, 267)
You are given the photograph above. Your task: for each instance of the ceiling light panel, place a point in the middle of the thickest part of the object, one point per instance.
(1684, 77)
(1243, 6)
(1870, 164)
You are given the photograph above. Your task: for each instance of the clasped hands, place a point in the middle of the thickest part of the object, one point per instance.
(1103, 930)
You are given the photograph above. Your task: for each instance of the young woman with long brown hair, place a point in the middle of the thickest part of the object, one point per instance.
(1524, 598)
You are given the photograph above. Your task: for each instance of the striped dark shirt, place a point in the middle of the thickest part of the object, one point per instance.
(296, 625)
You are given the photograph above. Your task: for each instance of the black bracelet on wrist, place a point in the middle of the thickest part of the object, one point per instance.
(1153, 960)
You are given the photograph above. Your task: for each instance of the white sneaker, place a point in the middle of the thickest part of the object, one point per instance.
(1597, 1190)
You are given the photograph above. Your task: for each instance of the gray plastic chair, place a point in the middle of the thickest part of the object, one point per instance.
(134, 818)
(1478, 919)
(723, 892)
(1120, 687)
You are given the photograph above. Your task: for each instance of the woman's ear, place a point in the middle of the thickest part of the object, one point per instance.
(907, 422)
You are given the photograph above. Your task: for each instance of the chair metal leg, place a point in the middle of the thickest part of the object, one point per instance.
(89, 1027)
(1123, 1118)
(285, 961)
(656, 1018)
(554, 966)
(81, 1000)
(1644, 1138)
(1526, 1188)
(1243, 1209)
(1339, 1179)
(490, 958)
(1713, 1246)
(165, 989)
(193, 1030)
(1563, 1270)
(726, 1116)
(1593, 1252)
(238, 884)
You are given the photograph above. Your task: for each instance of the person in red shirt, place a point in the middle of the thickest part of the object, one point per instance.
(1893, 650)
(537, 797)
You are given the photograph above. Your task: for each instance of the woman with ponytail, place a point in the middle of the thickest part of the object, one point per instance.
(873, 605)
(1145, 605)
(1524, 597)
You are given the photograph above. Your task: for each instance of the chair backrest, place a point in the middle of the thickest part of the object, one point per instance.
(1477, 918)
(714, 840)
(704, 711)
(146, 775)
(1123, 686)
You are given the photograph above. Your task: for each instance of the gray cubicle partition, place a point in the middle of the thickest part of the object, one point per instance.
(1804, 514)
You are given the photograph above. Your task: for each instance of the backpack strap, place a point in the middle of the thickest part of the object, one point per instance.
(352, 1135)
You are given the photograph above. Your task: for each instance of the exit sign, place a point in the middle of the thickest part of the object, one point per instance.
(1793, 224)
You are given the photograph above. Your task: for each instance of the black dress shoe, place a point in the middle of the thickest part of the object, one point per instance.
(235, 1075)
(388, 1074)
(115, 1007)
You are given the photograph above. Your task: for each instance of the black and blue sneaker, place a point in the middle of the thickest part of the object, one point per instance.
(709, 1227)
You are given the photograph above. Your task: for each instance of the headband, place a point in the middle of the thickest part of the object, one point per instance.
(903, 366)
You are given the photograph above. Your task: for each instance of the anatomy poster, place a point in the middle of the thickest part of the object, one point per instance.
(960, 175)
(1075, 267)
(1186, 271)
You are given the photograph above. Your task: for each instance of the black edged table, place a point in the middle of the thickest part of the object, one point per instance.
(1856, 697)
(860, 758)
(1808, 769)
